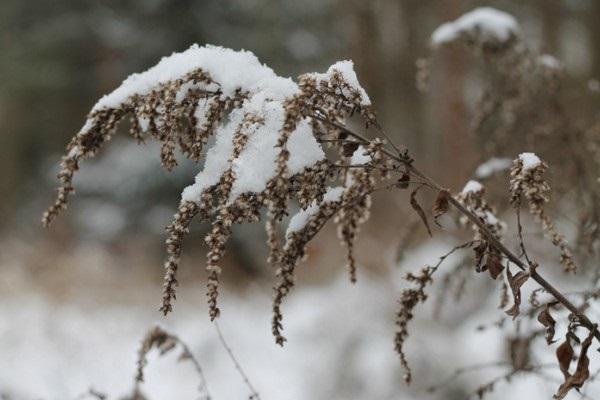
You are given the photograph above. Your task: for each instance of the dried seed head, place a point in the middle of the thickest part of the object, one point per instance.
(176, 232)
(527, 181)
(408, 301)
(302, 228)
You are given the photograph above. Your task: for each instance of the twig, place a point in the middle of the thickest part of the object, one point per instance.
(253, 393)
(583, 319)
(520, 230)
(461, 371)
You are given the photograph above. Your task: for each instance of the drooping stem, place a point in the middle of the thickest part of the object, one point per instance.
(408, 163)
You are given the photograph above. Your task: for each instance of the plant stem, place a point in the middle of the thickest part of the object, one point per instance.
(583, 319)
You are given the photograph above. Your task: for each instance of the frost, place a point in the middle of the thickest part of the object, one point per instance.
(529, 160)
(486, 24)
(299, 220)
(491, 166)
(472, 186)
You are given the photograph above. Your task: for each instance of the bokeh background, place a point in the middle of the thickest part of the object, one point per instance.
(76, 299)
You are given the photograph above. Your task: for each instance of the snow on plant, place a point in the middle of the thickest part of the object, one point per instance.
(277, 141)
(267, 151)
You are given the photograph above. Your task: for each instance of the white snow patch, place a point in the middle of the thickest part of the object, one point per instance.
(217, 159)
(549, 61)
(360, 157)
(304, 149)
(472, 187)
(233, 70)
(491, 166)
(529, 160)
(300, 220)
(346, 69)
(488, 24)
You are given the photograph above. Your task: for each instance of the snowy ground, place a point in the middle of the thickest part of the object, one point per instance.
(340, 343)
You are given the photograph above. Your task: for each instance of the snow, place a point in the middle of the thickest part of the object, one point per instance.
(490, 218)
(472, 187)
(217, 159)
(549, 61)
(340, 337)
(486, 23)
(529, 160)
(359, 157)
(256, 165)
(232, 70)
(300, 220)
(304, 149)
(346, 69)
(491, 166)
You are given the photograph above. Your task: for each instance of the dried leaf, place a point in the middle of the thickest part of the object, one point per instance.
(415, 205)
(494, 264)
(515, 282)
(582, 372)
(564, 354)
(441, 205)
(549, 323)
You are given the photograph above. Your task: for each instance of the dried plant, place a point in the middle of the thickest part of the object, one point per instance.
(165, 342)
(280, 142)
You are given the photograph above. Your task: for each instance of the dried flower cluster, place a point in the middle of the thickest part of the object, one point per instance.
(268, 132)
(408, 301)
(522, 105)
(165, 342)
(472, 197)
(527, 181)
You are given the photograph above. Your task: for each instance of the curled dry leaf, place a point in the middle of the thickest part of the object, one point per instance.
(564, 354)
(494, 264)
(441, 205)
(582, 372)
(546, 319)
(515, 282)
(415, 205)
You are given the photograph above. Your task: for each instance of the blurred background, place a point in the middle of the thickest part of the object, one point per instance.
(75, 300)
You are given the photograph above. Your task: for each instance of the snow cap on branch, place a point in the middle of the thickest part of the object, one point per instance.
(486, 25)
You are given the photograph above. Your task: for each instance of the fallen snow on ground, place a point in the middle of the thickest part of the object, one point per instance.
(340, 343)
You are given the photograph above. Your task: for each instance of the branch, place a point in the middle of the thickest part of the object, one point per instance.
(408, 163)
(253, 393)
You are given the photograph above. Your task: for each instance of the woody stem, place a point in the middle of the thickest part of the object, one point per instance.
(491, 238)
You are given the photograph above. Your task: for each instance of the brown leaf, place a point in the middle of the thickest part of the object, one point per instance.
(564, 354)
(582, 372)
(515, 282)
(549, 323)
(494, 264)
(441, 205)
(415, 205)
